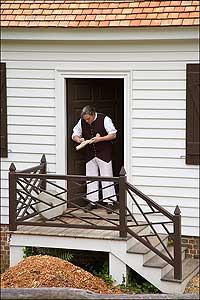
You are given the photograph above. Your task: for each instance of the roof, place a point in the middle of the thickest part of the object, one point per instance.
(98, 14)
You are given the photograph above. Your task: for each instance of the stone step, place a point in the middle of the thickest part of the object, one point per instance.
(190, 267)
(139, 248)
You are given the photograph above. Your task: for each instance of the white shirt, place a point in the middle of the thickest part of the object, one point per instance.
(108, 125)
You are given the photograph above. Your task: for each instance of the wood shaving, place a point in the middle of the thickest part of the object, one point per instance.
(42, 271)
(193, 286)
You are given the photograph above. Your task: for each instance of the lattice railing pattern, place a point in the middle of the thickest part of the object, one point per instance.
(41, 199)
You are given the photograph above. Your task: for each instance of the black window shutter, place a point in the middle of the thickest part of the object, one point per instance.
(192, 115)
(3, 116)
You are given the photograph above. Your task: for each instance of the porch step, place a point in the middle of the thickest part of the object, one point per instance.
(139, 248)
(138, 229)
(157, 262)
(190, 268)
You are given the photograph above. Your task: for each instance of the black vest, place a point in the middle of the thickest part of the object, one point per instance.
(102, 150)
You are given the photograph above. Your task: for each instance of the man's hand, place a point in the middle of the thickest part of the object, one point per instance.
(98, 138)
(78, 139)
(95, 139)
(81, 140)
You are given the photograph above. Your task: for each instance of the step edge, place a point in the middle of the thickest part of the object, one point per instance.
(183, 279)
(162, 265)
(69, 236)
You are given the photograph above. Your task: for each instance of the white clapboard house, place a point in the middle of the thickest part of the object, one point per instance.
(136, 61)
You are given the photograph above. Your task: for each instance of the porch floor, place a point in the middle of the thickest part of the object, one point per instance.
(76, 216)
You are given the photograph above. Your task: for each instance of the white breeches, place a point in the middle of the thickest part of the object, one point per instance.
(95, 167)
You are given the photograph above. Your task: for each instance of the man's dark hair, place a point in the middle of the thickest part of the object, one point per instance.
(88, 110)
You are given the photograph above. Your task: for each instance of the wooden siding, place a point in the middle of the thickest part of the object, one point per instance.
(31, 122)
(158, 112)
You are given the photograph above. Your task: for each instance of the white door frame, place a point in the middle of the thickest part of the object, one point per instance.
(60, 105)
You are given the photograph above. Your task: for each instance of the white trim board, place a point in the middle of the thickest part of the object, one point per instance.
(101, 34)
(60, 103)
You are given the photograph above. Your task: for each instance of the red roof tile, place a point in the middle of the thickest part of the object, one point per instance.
(107, 13)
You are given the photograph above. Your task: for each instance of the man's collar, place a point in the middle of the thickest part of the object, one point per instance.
(95, 117)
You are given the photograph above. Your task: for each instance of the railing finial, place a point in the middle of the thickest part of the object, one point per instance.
(122, 171)
(43, 159)
(177, 210)
(12, 168)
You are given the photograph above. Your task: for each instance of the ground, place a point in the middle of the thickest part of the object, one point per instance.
(48, 271)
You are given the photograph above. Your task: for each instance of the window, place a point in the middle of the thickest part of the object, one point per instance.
(3, 127)
(192, 115)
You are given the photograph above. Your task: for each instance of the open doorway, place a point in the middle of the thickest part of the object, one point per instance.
(107, 96)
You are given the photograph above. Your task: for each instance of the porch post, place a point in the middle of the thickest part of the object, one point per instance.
(43, 162)
(122, 203)
(117, 269)
(177, 244)
(16, 254)
(12, 198)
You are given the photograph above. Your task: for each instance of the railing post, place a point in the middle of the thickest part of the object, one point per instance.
(43, 162)
(12, 198)
(177, 244)
(122, 203)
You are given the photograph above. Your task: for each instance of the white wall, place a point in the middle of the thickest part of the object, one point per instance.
(158, 111)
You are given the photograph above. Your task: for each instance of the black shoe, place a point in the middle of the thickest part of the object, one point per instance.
(90, 207)
(109, 208)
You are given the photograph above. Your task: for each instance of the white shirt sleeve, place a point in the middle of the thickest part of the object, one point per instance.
(77, 130)
(109, 126)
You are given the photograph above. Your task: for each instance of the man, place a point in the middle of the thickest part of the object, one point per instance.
(100, 129)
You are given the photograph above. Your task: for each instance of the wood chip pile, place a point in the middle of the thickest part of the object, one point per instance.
(193, 286)
(48, 271)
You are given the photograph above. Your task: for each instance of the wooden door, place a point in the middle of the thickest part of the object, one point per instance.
(107, 96)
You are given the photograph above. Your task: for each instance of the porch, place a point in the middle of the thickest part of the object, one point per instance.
(139, 233)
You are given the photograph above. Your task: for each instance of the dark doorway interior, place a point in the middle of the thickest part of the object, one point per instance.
(107, 96)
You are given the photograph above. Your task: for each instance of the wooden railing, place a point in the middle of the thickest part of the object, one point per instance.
(135, 210)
